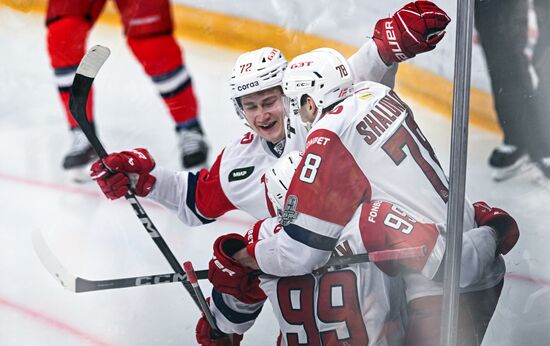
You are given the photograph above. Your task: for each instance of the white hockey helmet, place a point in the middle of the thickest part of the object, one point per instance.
(255, 71)
(278, 178)
(323, 74)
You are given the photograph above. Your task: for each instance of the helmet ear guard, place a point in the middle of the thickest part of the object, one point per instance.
(255, 71)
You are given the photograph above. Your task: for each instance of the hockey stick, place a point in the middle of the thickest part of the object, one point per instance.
(85, 74)
(78, 285)
(191, 275)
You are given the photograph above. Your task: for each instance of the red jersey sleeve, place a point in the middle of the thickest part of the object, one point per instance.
(210, 199)
(328, 184)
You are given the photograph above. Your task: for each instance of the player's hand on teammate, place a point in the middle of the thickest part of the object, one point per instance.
(504, 225)
(117, 172)
(205, 338)
(228, 275)
(414, 29)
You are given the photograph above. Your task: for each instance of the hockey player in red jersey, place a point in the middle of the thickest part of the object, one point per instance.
(364, 146)
(307, 307)
(148, 29)
(233, 182)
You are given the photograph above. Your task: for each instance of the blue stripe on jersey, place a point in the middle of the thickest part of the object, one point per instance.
(190, 199)
(232, 315)
(167, 75)
(178, 89)
(63, 71)
(309, 238)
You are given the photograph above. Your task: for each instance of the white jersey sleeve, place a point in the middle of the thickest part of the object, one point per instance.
(274, 254)
(172, 189)
(366, 65)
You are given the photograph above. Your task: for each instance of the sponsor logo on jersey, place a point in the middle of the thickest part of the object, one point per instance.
(248, 85)
(290, 213)
(320, 140)
(366, 96)
(240, 173)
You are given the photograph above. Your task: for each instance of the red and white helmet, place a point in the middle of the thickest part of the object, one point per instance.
(323, 74)
(278, 178)
(255, 71)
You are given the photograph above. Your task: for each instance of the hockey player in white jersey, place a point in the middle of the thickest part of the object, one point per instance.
(232, 181)
(304, 304)
(364, 146)
(348, 306)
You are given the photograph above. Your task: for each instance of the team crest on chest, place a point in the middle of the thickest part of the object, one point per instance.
(290, 213)
(240, 173)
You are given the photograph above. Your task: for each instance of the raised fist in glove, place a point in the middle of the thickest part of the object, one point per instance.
(227, 275)
(504, 225)
(205, 336)
(117, 172)
(415, 28)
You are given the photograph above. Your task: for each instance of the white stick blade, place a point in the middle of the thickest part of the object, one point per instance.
(51, 263)
(93, 60)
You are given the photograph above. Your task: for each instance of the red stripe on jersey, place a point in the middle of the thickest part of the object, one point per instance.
(270, 206)
(210, 198)
(328, 183)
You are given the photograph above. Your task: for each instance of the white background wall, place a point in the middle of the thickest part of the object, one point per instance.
(349, 21)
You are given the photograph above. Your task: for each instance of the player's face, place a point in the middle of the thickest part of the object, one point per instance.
(264, 113)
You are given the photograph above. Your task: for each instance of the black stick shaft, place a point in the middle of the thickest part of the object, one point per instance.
(77, 103)
(84, 285)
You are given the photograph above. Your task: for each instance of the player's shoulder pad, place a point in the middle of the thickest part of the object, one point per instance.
(370, 92)
(240, 157)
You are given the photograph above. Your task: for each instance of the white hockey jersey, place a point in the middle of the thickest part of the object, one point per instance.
(355, 305)
(235, 179)
(367, 148)
(358, 304)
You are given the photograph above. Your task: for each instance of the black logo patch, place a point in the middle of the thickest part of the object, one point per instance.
(240, 173)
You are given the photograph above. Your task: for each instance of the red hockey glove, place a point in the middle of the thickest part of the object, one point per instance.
(204, 335)
(385, 226)
(116, 171)
(499, 220)
(415, 28)
(228, 276)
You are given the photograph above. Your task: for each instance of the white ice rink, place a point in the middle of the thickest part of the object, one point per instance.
(99, 239)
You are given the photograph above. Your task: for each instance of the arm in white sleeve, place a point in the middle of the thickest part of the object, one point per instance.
(296, 249)
(366, 65)
(232, 315)
(478, 255)
(176, 191)
(282, 256)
